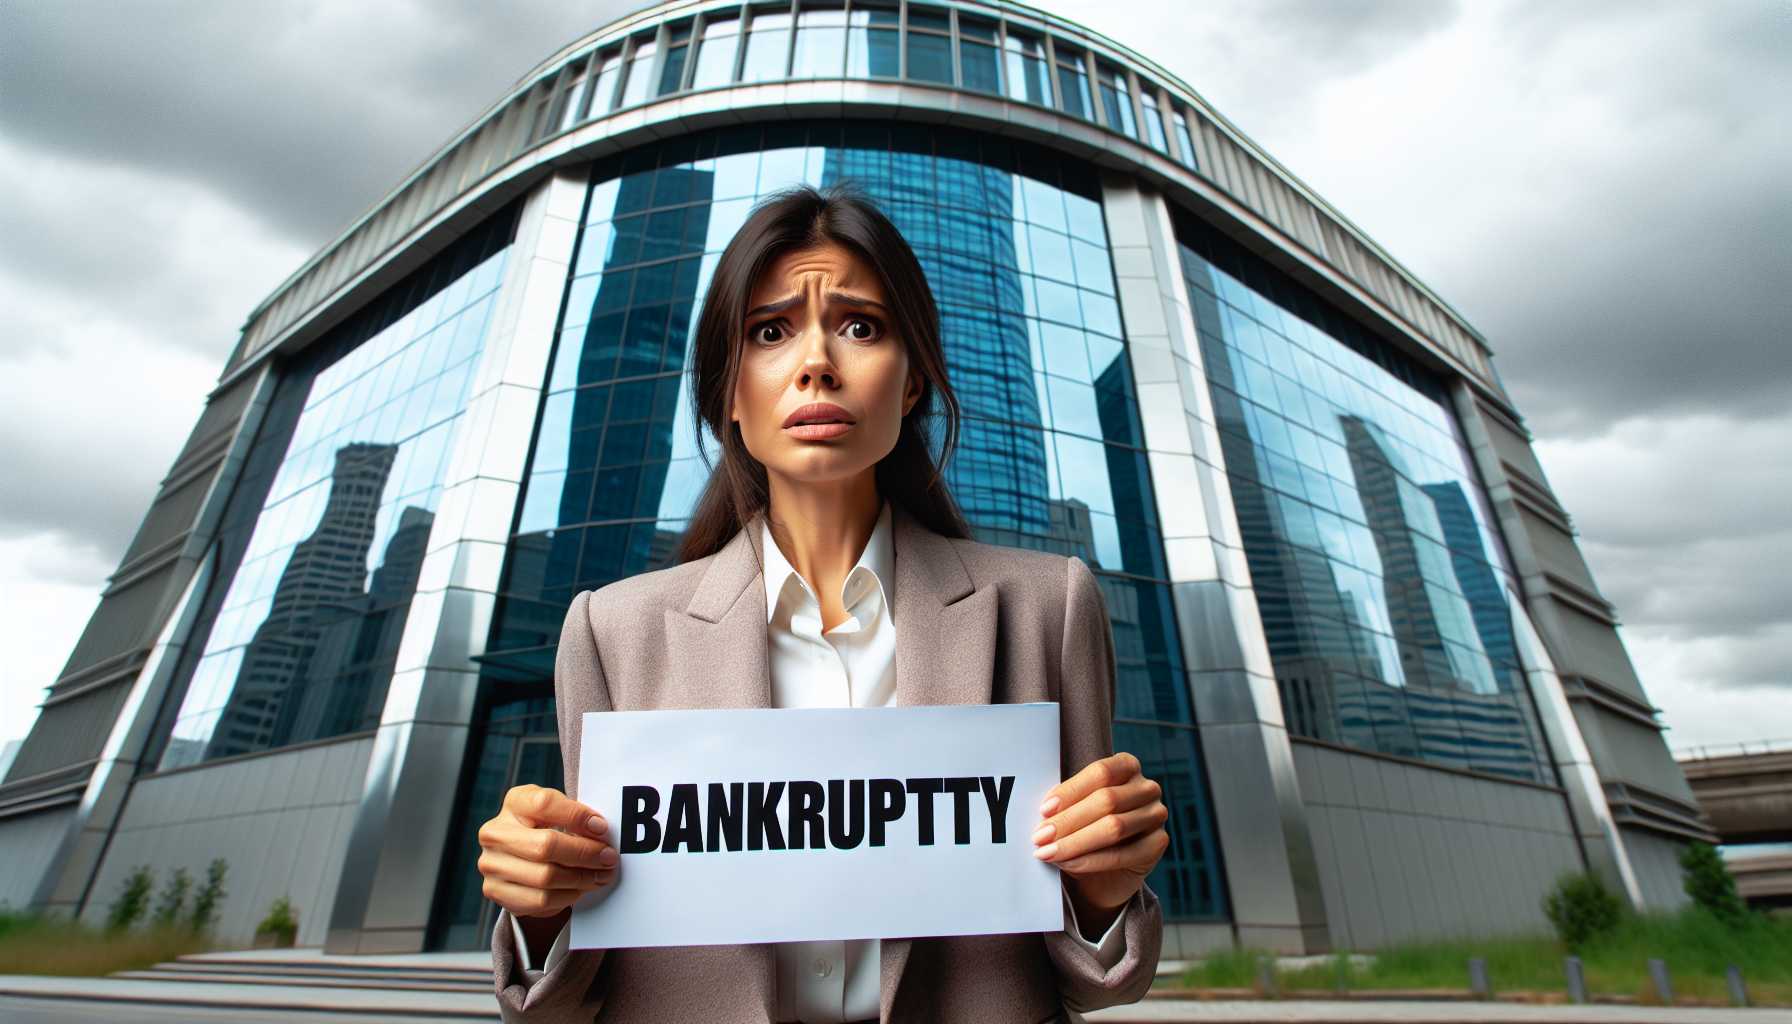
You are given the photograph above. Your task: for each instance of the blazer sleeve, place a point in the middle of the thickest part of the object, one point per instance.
(1086, 719)
(572, 990)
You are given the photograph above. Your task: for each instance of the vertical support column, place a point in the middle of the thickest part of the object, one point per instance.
(68, 879)
(394, 855)
(1271, 875)
(1594, 827)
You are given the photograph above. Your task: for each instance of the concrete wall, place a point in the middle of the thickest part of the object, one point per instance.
(282, 821)
(1408, 852)
(27, 842)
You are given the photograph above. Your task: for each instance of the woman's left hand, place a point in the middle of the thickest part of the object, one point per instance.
(1104, 828)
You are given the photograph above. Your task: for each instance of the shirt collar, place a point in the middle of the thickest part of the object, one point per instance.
(877, 560)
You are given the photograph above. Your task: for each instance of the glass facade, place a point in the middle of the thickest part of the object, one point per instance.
(1050, 458)
(326, 532)
(1381, 584)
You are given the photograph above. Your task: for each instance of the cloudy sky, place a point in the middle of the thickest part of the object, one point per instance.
(1600, 187)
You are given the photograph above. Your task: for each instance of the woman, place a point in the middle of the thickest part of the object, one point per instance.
(826, 564)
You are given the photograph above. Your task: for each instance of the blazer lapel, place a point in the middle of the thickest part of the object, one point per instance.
(945, 654)
(726, 613)
(945, 649)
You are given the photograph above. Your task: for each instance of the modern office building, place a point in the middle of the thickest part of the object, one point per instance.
(1356, 640)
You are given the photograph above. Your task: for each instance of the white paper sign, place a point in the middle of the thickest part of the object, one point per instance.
(715, 813)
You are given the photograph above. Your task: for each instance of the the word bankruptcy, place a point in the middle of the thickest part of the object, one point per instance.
(839, 814)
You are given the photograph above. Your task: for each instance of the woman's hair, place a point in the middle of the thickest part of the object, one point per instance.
(798, 218)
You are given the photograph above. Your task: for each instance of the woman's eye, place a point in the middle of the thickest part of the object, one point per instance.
(767, 333)
(861, 330)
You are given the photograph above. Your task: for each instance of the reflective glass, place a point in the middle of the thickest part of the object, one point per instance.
(1026, 69)
(820, 44)
(980, 66)
(326, 542)
(1073, 85)
(1185, 139)
(768, 47)
(671, 70)
(715, 55)
(604, 90)
(1154, 121)
(929, 57)
(1381, 584)
(1116, 101)
(1049, 458)
(871, 50)
(640, 70)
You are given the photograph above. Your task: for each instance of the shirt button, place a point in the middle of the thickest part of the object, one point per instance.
(823, 967)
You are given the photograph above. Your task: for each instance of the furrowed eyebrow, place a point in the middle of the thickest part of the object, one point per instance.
(843, 298)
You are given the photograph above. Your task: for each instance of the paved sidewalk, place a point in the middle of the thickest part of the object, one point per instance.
(1258, 1011)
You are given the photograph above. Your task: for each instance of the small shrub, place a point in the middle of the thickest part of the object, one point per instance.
(211, 894)
(1582, 909)
(1709, 884)
(132, 901)
(281, 922)
(173, 902)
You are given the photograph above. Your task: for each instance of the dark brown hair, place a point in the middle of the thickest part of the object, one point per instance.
(797, 218)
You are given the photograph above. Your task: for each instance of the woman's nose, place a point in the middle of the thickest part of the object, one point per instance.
(816, 366)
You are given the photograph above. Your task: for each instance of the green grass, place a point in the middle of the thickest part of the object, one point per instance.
(1696, 947)
(31, 944)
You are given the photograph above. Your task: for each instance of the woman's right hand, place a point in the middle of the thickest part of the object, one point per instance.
(543, 851)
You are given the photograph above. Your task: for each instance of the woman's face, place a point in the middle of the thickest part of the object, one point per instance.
(818, 335)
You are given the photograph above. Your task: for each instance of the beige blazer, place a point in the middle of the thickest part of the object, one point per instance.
(975, 624)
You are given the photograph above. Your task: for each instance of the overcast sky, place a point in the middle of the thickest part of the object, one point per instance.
(1600, 187)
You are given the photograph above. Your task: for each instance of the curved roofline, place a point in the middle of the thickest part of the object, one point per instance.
(502, 136)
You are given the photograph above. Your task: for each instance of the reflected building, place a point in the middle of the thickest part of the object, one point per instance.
(1307, 498)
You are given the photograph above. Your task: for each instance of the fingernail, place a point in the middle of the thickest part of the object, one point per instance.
(1045, 852)
(595, 824)
(1045, 832)
(1050, 807)
(609, 857)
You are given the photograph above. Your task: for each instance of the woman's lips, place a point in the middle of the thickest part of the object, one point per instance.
(817, 431)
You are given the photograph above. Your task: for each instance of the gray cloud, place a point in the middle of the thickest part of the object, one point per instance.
(305, 113)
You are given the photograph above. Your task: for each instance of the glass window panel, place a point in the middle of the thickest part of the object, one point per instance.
(715, 55)
(1073, 85)
(640, 70)
(979, 64)
(929, 58)
(672, 69)
(970, 27)
(928, 19)
(1025, 58)
(871, 51)
(1185, 140)
(1116, 99)
(603, 90)
(768, 47)
(1154, 120)
(820, 44)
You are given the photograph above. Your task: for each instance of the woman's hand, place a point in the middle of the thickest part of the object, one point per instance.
(543, 852)
(1104, 828)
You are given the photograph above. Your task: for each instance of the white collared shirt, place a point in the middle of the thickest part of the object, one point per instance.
(851, 665)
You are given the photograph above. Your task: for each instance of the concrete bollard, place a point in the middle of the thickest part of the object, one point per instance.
(1266, 976)
(1658, 972)
(1477, 978)
(1577, 979)
(1738, 991)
